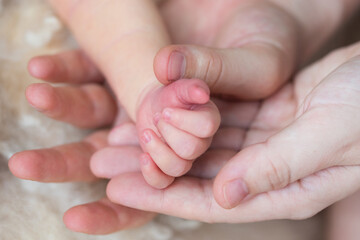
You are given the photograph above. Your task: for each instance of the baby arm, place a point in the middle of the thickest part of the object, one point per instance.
(122, 38)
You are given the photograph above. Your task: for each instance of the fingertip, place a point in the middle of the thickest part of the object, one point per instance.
(232, 184)
(176, 66)
(26, 165)
(231, 193)
(113, 161)
(218, 193)
(97, 166)
(161, 65)
(124, 134)
(91, 218)
(41, 67)
(200, 94)
(152, 174)
(192, 91)
(73, 221)
(171, 63)
(41, 96)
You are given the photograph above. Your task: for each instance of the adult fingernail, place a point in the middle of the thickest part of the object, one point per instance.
(234, 192)
(146, 137)
(176, 67)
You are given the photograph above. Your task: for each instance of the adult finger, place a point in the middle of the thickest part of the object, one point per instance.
(299, 200)
(87, 106)
(65, 67)
(112, 161)
(104, 217)
(237, 72)
(64, 163)
(248, 61)
(124, 134)
(277, 35)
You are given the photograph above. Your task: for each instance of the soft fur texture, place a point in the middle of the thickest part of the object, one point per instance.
(31, 210)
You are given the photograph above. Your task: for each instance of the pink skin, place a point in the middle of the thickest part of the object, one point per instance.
(193, 31)
(254, 125)
(194, 119)
(71, 162)
(253, 47)
(299, 155)
(93, 27)
(269, 36)
(168, 124)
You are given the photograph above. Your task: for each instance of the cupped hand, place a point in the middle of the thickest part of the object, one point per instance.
(299, 155)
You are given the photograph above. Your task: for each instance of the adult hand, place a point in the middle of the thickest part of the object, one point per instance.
(299, 155)
(85, 104)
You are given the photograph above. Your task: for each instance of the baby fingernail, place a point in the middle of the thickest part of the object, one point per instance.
(146, 137)
(234, 192)
(144, 160)
(166, 115)
(157, 118)
(176, 67)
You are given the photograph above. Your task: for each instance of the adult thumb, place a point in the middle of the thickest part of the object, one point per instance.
(304, 148)
(253, 71)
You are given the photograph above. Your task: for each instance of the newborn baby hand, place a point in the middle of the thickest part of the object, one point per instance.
(175, 125)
